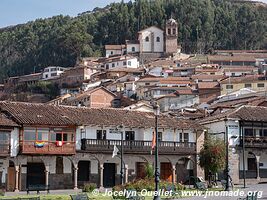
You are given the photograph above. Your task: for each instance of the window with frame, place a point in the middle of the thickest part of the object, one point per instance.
(174, 31)
(248, 85)
(42, 134)
(229, 87)
(184, 137)
(260, 85)
(248, 132)
(129, 135)
(113, 65)
(29, 134)
(129, 63)
(133, 49)
(169, 31)
(160, 136)
(4, 137)
(264, 132)
(101, 134)
(158, 39)
(124, 62)
(147, 39)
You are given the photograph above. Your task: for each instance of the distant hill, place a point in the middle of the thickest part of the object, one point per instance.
(61, 40)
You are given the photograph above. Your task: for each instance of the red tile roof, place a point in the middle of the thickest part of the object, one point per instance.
(43, 114)
(5, 121)
(244, 79)
(245, 113)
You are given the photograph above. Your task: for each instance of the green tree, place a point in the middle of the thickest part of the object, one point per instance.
(212, 155)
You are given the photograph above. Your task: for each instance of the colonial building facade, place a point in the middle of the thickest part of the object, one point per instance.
(249, 122)
(65, 147)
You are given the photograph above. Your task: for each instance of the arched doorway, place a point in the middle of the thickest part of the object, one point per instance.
(251, 165)
(185, 169)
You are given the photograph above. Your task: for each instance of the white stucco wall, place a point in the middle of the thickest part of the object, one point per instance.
(140, 134)
(130, 46)
(147, 46)
(115, 52)
(14, 142)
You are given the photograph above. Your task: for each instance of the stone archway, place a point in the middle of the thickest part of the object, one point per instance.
(84, 157)
(185, 169)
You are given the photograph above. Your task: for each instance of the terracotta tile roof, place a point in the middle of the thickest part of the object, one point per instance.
(43, 114)
(5, 121)
(244, 79)
(35, 114)
(208, 77)
(240, 69)
(243, 101)
(115, 47)
(137, 70)
(245, 113)
(241, 58)
(207, 85)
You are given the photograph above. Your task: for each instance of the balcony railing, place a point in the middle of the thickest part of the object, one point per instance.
(138, 146)
(48, 147)
(251, 141)
(4, 149)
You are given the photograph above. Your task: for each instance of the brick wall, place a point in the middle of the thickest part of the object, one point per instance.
(101, 99)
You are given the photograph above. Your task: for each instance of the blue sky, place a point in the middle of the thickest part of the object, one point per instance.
(14, 12)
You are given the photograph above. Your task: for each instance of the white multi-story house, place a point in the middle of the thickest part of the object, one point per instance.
(126, 61)
(52, 72)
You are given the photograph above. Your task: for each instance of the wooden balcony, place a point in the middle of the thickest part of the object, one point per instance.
(138, 146)
(51, 148)
(254, 142)
(4, 150)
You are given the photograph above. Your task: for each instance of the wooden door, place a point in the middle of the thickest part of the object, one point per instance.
(109, 174)
(11, 178)
(140, 170)
(166, 172)
(252, 164)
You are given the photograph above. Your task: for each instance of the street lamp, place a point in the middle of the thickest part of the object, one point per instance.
(157, 173)
(122, 163)
(227, 156)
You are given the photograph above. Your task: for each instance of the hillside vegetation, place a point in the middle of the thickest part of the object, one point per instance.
(204, 25)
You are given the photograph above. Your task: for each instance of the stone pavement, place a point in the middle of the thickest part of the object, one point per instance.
(261, 188)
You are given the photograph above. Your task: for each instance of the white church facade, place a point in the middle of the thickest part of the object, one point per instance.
(150, 41)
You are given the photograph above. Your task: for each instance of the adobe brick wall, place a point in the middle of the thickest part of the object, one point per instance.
(101, 99)
(171, 45)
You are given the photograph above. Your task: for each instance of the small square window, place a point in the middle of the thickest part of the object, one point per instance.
(260, 85)
(229, 87)
(248, 85)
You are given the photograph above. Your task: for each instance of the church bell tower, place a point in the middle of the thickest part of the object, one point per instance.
(171, 36)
